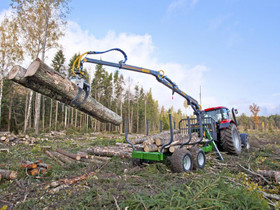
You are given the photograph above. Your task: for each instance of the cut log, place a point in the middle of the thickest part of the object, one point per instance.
(41, 78)
(33, 172)
(173, 148)
(82, 155)
(164, 150)
(165, 133)
(62, 157)
(108, 152)
(100, 158)
(7, 174)
(5, 150)
(151, 148)
(44, 165)
(28, 165)
(68, 154)
(273, 175)
(0, 177)
(54, 158)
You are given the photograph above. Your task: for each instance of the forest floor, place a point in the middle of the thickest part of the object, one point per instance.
(116, 184)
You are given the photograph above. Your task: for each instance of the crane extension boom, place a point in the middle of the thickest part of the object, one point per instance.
(159, 75)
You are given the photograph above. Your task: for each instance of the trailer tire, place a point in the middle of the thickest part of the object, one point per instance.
(245, 141)
(199, 158)
(181, 161)
(230, 140)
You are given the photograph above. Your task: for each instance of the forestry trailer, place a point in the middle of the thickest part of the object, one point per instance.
(215, 127)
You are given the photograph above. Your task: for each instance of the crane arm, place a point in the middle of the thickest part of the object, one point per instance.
(159, 75)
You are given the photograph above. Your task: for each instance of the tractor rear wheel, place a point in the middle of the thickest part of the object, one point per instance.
(230, 140)
(199, 158)
(181, 161)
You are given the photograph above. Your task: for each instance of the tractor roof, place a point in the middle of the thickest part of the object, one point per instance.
(215, 108)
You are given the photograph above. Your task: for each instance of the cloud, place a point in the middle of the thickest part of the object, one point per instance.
(217, 22)
(140, 50)
(181, 4)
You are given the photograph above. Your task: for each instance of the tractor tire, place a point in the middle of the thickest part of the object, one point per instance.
(230, 140)
(181, 161)
(199, 158)
(245, 141)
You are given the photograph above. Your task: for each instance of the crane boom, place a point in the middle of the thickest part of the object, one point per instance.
(159, 75)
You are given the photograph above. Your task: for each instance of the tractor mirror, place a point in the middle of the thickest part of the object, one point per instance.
(236, 111)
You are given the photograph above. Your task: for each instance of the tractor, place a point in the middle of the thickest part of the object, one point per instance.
(228, 137)
(214, 127)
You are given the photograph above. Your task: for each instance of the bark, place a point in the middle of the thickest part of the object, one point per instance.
(7, 174)
(62, 157)
(10, 107)
(151, 148)
(1, 95)
(43, 79)
(56, 115)
(165, 138)
(50, 123)
(28, 165)
(54, 158)
(155, 136)
(273, 175)
(69, 154)
(37, 112)
(108, 152)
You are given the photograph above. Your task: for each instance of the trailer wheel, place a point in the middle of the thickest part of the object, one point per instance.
(181, 161)
(199, 158)
(245, 141)
(230, 140)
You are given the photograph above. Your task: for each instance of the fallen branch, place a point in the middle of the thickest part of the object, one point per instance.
(254, 173)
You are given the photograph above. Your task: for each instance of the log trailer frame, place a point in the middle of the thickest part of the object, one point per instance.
(182, 159)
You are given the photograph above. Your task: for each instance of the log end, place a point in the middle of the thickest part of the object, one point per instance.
(13, 175)
(13, 72)
(33, 68)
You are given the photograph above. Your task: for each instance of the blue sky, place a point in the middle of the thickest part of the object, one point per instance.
(231, 47)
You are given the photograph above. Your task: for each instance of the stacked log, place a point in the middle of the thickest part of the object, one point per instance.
(110, 151)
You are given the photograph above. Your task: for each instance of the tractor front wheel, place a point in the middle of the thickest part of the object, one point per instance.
(181, 161)
(230, 140)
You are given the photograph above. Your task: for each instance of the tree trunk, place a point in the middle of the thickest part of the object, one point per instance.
(56, 115)
(43, 112)
(65, 117)
(1, 95)
(10, 107)
(28, 115)
(50, 123)
(76, 118)
(37, 112)
(43, 79)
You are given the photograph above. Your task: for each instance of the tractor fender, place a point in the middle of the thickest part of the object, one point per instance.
(225, 123)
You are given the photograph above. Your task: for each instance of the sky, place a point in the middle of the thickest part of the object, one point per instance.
(231, 48)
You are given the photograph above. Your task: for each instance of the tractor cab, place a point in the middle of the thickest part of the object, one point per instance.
(221, 115)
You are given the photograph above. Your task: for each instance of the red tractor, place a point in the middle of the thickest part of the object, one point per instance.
(228, 137)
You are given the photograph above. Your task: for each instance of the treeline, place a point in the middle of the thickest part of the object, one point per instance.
(110, 89)
(269, 123)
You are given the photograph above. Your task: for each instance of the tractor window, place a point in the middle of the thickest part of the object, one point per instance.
(215, 114)
(225, 114)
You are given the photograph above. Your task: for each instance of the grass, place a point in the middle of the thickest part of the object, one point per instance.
(221, 185)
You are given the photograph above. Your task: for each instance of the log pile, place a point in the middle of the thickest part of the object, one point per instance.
(35, 168)
(152, 143)
(11, 139)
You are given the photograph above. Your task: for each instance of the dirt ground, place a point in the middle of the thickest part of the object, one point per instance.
(118, 184)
